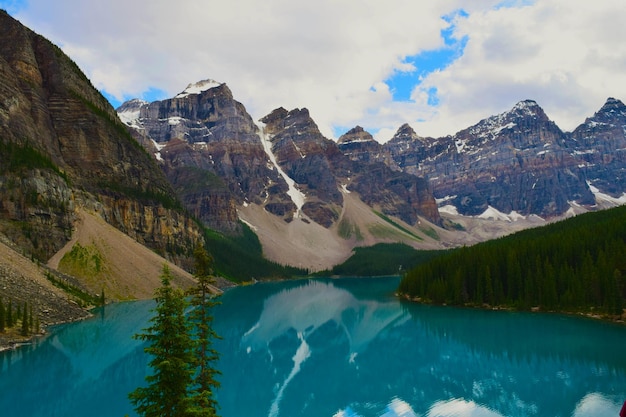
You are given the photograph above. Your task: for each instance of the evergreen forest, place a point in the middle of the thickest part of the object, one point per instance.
(382, 259)
(575, 265)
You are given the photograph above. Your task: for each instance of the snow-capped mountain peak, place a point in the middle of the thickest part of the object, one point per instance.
(199, 87)
(528, 107)
(129, 112)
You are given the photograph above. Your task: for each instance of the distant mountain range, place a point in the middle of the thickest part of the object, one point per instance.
(512, 166)
(520, 162)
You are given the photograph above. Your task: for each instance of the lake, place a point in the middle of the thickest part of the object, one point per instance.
(337, 348)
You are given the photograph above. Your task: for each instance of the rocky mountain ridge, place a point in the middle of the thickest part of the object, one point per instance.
(510, 166)
(521, 163)
(63, 149)
(282, 163)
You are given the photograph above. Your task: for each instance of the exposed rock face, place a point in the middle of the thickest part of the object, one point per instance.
(320, 168)
(217, 158)
(360, 146)
(204, 130)
(408, 149)
(599, 144)
(63, 145)
(310, 159)
(516, 161)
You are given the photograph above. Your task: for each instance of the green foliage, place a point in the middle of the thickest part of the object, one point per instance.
(576, 265)
(82, 297)
(2, 317)
(172, 361)
(145, 195)
(82, 261)
(25, 322)
(397, 226)
(205, 383)
(430, 232)
(347, 230)
(382, 259)
(183, 378)
(20, 321)
(31, 322)
(18, 157)
(241, 258)
(10, 321)
(191, 180)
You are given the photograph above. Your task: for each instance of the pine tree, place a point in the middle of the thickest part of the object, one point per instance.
(204, 403)
(2, 316)
(31, 321)
(10, 315)
(169, 342)
(25, 329)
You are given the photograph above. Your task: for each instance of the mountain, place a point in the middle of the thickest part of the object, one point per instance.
(599, 145)
(210, 150)
(521, 163)
(510, 171)
(64, 152)
(226, 167)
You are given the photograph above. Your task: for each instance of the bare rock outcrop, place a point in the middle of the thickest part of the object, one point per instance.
(515, 161)
(62, 145)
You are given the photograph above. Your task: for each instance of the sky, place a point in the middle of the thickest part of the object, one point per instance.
(439, 65)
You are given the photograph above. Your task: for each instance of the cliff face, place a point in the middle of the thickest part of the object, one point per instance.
(360, 146)
(204, 130)
(321, 168)
(218, 159)
(599, 144)
(516, 161)
(62, 145)
(310, 160)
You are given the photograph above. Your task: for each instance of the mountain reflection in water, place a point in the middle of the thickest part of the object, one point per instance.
(337, 348)
(350, 348)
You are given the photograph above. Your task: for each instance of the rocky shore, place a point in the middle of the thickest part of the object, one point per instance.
(23, 281)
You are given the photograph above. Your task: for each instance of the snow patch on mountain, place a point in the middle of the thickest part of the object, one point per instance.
(294, 193)
(174, 121)
(605, 200)
(494, 214)
(199, 87)
(449, 209)
(129, 113)
(158, 146)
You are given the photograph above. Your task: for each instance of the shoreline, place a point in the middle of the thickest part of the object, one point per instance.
(607, 318)
(13, 341)
(10, 341)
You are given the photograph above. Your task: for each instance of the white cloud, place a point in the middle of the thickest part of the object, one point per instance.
(332, 56)
(565, 54)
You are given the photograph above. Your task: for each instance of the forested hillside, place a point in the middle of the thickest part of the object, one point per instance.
(576, 265)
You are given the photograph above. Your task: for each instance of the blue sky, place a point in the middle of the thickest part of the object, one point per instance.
(402, 83)
(440, 66)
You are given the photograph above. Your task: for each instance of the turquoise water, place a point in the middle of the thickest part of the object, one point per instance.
(338, 348)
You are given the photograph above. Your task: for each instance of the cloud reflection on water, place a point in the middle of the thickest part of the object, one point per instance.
(307, 308)
(370, 355)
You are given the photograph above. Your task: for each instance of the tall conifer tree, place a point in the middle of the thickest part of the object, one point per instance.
(2, 316)
(169, 342)
(10, 314)
(25, 328)
(201, 319)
